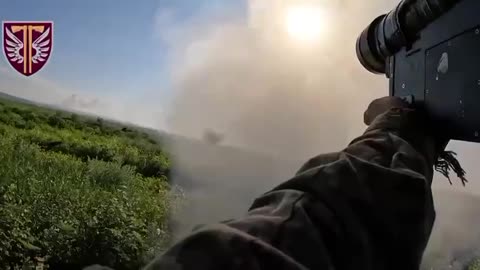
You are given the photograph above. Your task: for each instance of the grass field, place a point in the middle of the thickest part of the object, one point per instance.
(78, 190)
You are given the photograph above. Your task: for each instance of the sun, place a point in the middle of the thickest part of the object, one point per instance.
(304, 23)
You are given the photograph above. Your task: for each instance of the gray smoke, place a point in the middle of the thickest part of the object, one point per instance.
(267, 94)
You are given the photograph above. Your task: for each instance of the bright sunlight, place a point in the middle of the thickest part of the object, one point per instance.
(305, 23)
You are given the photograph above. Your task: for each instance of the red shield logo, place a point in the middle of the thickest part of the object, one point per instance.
(27, 45)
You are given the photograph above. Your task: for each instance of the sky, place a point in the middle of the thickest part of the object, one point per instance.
(111, 47)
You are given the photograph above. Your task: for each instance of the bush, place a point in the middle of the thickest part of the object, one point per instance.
(474, 265)
(74, 213)
(76, 191)
(74, 117)
(56, 121)
(108, 174)
(153, 166)
(30, 116)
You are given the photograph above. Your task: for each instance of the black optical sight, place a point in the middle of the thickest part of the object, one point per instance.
(430, 51)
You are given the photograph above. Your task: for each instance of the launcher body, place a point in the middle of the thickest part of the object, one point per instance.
(430, 51)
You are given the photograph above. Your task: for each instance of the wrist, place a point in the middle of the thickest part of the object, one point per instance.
(411, 126)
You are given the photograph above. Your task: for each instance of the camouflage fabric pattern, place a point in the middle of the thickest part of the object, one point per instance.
(368, 206)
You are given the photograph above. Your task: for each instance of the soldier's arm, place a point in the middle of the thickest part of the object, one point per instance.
(366, 207)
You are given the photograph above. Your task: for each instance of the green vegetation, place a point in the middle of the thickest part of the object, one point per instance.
(474, 265)
(75, 191)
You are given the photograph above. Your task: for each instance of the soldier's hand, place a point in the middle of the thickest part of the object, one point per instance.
(382, 105)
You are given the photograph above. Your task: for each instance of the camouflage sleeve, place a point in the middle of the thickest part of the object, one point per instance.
(366, 207)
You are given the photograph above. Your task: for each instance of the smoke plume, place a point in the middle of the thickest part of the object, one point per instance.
(269, 93)
(286, 100)
(266, 93)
